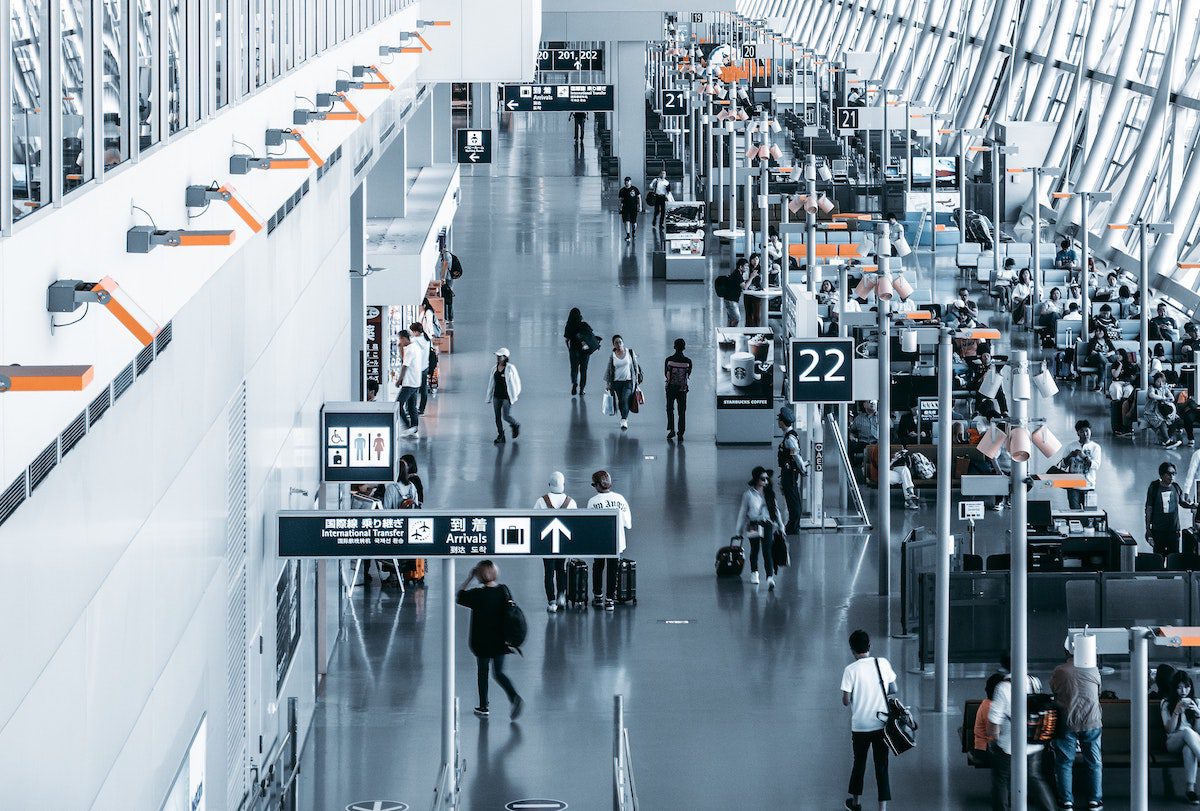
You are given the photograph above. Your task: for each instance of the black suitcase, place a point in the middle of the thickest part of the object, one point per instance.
(626, 581)
(731, 559)
(577, 584)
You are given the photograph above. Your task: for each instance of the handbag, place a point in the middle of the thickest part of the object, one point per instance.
(779, 549)
(608, 405)
(899, 727)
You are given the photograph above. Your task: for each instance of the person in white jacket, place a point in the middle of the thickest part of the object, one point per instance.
(608, 499)
(555, 569)
(504, 387)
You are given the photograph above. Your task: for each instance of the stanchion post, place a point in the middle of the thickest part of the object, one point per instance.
(1139, 666)
(1018, 588)
(448, 677)
(885, 423)
(941, 644)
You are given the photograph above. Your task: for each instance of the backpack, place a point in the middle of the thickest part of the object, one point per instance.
(922, 468)
(588, 339)
(721, 285)
(514, 626)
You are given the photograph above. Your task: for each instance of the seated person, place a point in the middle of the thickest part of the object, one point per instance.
(1050, 311)
(1159, 363)
(1073, 312)
(963, 303)
(1099, 353)
(900, 305)
(1163, 326)
(1066, 257)
(1074, 294)
(979, 755)
(1161, 414)
(1020, 300)
(1191, 341)
(1126, 368)
(1106, 319)
(827, 294)
(900, 473)
(1107, 291)
(864, 429)
(910, 432)
(1002, 281)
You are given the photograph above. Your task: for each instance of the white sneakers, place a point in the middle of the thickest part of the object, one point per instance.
(551, 608)
(624, 425)
(771, 583)
(754, 578)
(562, 601)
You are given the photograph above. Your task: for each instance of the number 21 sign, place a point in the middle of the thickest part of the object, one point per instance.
(822, 370)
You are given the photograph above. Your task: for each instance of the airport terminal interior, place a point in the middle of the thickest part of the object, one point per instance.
(497, 418)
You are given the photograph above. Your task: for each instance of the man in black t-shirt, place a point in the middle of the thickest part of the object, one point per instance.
(631, 205)
(1164, 499)
(579, 117)
(676, 370)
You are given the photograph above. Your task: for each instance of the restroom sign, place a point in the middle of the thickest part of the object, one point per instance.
(474, 146)
(358, 441)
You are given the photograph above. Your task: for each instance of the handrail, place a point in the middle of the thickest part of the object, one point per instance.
(624, 786)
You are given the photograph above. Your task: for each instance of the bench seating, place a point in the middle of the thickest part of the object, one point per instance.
(957, 451)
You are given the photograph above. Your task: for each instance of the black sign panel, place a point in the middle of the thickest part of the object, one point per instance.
(557, 98)
(447, 533)
(697, 16)
(847, 118)
(358, 442)
(821, 370)
(749, 50)
(557, 56)
(474, 146)
(675, 102)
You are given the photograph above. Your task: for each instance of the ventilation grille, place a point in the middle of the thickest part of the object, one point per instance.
(76, 431)
(144, 359)
(287, 207)
(164, 337)
(123, 381)
(362, 164)
(46, 461)
(98, 406)
(387, 133)
(333, 158)
(13, 497)
(236, 755)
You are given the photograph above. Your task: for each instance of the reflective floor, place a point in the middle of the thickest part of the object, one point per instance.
(738, 707)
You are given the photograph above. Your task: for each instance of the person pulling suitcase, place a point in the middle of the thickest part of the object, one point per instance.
(555, 568)
(608, 499)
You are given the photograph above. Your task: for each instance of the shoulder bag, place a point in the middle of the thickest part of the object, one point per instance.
(899, 727)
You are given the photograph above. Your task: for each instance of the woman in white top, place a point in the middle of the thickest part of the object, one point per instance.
(429, 320)
(660, 187)
(756, 522)
(622, 377)
(1020, 297)
(1180, 718)
(1161, 414)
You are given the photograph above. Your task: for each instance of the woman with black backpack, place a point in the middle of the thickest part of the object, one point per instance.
(490, 604)
(581, 342)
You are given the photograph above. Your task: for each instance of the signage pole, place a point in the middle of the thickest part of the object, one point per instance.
(449, 745)
(718, 130)
(785, 282)
(733, 186)
(885, 425)
(1037, 246)
(933, 240)
(886, 150)
(706, 126)
(1084, 280)
(1139, 666)
(764, 189)
(941, 626)
(843, 292)
(1018, 588)
(907, 149)
(1144, 315)
(997, 179)
(810, 219)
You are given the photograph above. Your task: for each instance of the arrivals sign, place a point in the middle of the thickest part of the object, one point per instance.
(358, 441)
(557, 98)
(447, 533)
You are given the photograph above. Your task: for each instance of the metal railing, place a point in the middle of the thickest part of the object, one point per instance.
(624, 787)
(446, 792)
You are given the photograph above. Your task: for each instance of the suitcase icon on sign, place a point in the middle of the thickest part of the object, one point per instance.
(512, 536)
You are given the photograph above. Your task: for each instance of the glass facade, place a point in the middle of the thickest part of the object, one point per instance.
(94, 83)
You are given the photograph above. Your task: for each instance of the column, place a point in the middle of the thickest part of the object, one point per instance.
(385, 183)
(441, 124)
(629, 133)
(419, 133)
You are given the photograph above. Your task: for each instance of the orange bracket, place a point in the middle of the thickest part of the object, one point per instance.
(1117, 227)
(428, 47)
(131, 316)
(243, 210)
(45, 378)
(1062, 195)
(352, 113)
(981, 334)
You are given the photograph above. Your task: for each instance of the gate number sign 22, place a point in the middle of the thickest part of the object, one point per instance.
(822, 371)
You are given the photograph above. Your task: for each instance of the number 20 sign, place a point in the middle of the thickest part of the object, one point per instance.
(822, 370)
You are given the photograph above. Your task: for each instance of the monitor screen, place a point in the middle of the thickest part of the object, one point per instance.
(947, 172)
(1039, 515)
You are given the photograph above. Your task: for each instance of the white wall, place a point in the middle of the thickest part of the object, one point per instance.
(114, 602)
(486, 41)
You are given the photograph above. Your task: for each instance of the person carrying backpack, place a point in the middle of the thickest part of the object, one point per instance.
(677, 368)
(490, 604)
(729, 288)
(581, 342)
(555, 569)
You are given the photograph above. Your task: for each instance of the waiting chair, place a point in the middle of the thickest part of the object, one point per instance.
(1000, 563)
(972, 563)
(1149, 562)
(1182, 562)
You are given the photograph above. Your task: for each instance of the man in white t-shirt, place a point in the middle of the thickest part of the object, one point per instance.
(866, 684)
(608, 499)
(555, 568)
(1000, 731)
(1081, 457)
(422, 341)
(410, 381)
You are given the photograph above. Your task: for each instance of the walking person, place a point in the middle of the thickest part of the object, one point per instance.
(555, 569)
(660, 187)
(631, 206)
(676, 370)
(503, 390)
(756, 522)
(608, 499)
(1085, 457)
(580, 118)
(1181, 718)
(581, 342)
(622, 377)
(1000, 730)
(1077, 693)
(866, 684)
(1164, 498)
(488, 602)
(792, 468)
(410, 382)
(425, 345)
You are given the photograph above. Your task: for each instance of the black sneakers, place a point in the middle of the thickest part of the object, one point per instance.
(516, 429)
(482, 712)
(517, 706)
(499, 440)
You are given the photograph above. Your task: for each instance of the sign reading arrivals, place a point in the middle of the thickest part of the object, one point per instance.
(557, 98)
(447, 533)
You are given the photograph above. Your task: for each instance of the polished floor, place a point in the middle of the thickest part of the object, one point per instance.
(738, 707)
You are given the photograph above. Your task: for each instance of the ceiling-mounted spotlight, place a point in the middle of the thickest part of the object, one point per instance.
(67, 295)
(201, 196)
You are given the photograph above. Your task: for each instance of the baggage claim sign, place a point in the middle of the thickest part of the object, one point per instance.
(446, 533)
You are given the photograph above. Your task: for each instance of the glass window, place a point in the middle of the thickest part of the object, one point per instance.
(220, 54)
(260, 70)
(273, 34)
(147, 82)
(114, 95)
(30, 187)
(75, 75)
(176, 66)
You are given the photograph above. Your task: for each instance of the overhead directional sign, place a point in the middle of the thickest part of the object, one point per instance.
(557, 56)
(446, 533)
(822, 370)
(474, 146)
(557, 98)
(674, 102)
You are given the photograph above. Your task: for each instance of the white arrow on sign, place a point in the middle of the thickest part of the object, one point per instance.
(557, 531)
(512, 105)
(474, 157)
(578, 64)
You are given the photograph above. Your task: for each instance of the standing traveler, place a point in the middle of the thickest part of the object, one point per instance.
(581, 342)
(756, 522)
(1084, 456)
(555, 569)
(410, 382)
(429, 320)
(676, 370)
(622, 377)
(452, 271)
(1077, 693)
(631, 205)
(792, 468)
(579, 117)
(730, 288)
(660, 187)
(503, 390)
(489, 603)
(608, 499)
(417, 331)
(866, 684)
(1000, 728)
(1164, 497)
(410, 462)
(1181, 719)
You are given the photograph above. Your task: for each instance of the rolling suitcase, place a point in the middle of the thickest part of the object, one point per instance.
(414, 570)
(626, 581)
(577, 584)
(731, 559)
